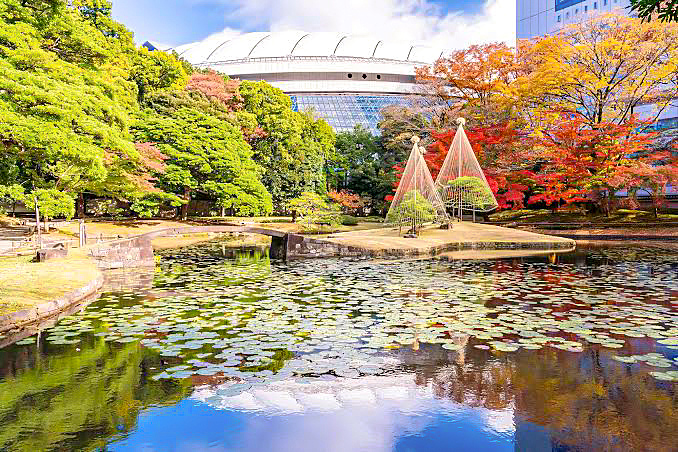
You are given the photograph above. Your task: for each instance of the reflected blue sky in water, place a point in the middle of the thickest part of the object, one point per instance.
(194, 426)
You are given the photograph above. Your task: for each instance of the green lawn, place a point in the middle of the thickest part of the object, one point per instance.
(24, 283)
(624, 216)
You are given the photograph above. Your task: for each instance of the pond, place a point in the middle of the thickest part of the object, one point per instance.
(222, 349)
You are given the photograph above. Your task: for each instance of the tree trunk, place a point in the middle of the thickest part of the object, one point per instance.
(37, 223)
(184, 207)
(80, 206)
(223, 212)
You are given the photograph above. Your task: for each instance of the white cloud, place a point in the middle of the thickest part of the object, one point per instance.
(215, 39)
(412, 21)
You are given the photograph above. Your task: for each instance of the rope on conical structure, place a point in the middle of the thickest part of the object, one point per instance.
(417, 200)
(461, 182)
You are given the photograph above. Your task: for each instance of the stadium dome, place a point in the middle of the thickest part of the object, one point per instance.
(343, 78)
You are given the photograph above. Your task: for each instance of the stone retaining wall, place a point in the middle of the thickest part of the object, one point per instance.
(298, 246)
(133, 252)
(305, 247)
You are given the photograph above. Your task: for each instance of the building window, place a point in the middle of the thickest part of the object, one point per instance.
(604, 2)
(595, 5)
(586, 8)
(558, 18)
(576, 10)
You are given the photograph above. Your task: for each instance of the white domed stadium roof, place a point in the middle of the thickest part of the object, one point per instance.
(345, 78)
(218, 49)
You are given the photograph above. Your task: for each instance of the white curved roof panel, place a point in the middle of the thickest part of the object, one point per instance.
(424, 54)
(356, 46)
(199, 52)
(392, 50)
(317, 44)
(277, 44)
(238, 47)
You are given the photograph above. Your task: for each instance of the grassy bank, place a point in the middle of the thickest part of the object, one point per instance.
(622, 216)
(24, 284)
(163, 243)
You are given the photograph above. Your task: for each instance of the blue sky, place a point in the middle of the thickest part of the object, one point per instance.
(440, 22)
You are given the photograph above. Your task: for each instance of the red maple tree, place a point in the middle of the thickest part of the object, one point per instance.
(580, 163)
(349, 201)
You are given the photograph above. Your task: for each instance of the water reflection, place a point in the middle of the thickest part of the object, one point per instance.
(526, 402)
(224, 350)
(52, 398)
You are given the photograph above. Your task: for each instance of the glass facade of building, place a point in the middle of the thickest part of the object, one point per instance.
(668, 123)
(344, 111)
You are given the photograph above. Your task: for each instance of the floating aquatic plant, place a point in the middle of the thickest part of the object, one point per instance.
(250, 319)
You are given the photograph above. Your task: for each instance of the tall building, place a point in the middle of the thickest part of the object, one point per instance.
(345, 79)
(543, 17)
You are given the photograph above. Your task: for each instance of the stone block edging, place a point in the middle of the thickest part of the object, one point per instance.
(48, 309)
(305, 247)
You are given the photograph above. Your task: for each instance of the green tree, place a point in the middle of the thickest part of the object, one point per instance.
(364, 166)
(474, 192)
(65, 101)
(153, 71)
(207, 156)
(414, 210)
(293, 147)
(11, 194)
(313, 208)
(51, 203)
(664, 10)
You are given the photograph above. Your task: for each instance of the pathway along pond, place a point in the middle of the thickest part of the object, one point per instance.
(226, 350)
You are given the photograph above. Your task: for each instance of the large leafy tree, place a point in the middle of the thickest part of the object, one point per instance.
(153, 71)
(362, 165)
(292, 146)
(589, 164)
(604, 69)
(397, 126)
(472, 83)
(65, 101)
(504, 153)
(206, 150)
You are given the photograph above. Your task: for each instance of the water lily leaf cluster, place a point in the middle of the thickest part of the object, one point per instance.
(253, 320)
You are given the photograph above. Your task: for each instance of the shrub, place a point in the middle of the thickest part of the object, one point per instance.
(348, 220)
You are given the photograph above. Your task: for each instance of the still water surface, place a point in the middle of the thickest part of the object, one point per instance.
(224, 350)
